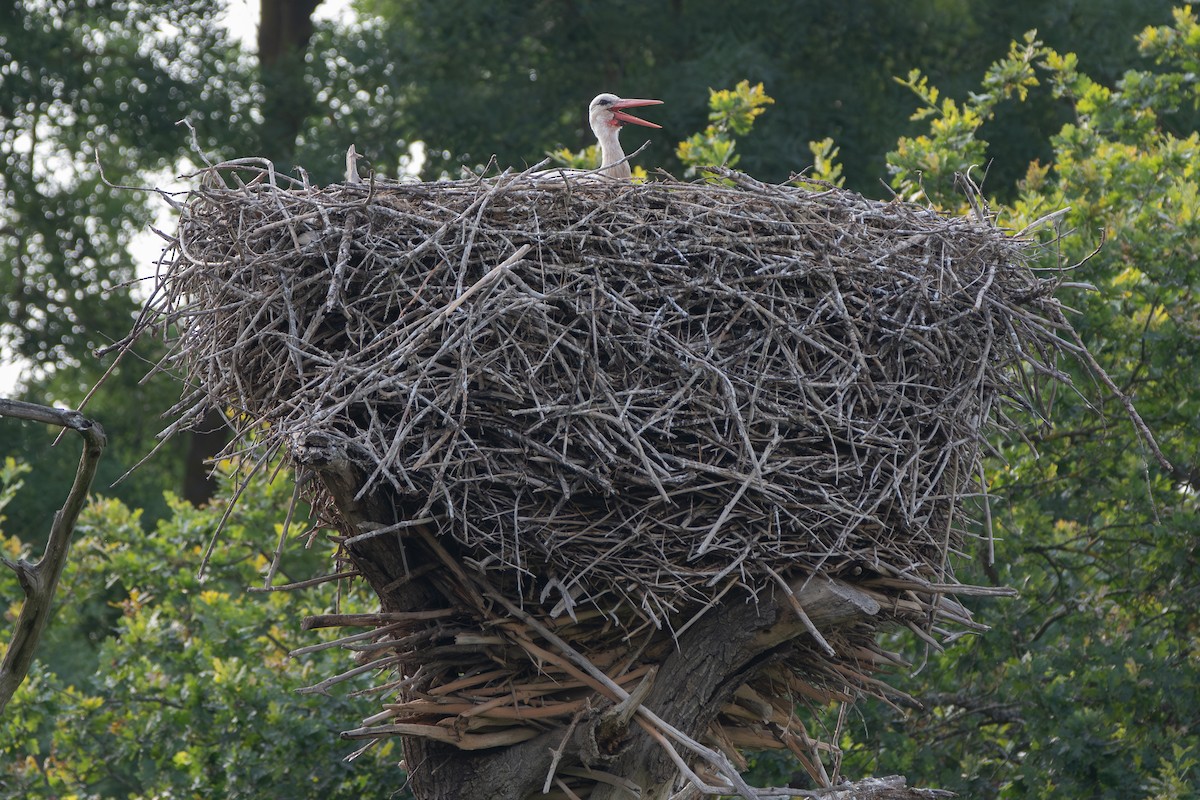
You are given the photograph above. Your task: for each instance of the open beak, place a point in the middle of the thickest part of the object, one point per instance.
(630, 118)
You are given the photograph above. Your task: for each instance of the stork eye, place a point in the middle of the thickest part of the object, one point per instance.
(605, 102)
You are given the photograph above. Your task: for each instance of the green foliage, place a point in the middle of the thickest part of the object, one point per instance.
(1086, 685)
(924, 166)
(825, 164)
(589, 158)
(122, 409)
(90, 86)
(155, 683)
(90, 94)
(505, 78)
(1171, 783)
(731, 111)
(10, 482)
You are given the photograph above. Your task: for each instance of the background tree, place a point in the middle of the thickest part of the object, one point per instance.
(1085, 685)
(85, 85)
(181, 687)
(90, 97)
(512, 78)
(285, 30)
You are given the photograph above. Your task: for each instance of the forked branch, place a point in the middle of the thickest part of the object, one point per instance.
(39, 579)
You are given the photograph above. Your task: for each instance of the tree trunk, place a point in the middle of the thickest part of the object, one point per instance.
(284, 32)
(726, 648)
(204, 443)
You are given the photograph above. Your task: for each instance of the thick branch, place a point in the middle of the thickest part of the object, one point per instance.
(39, 579)
(737, 640)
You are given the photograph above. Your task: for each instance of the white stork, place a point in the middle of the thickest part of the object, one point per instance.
(607, 115)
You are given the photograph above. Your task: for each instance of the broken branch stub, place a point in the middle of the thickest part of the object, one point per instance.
(39, 579)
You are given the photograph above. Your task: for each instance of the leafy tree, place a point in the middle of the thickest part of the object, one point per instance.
(1086, 685)
(90, 96)
(506, 78)
(156, 683)
(730, 111)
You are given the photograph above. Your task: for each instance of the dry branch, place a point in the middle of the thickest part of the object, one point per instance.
(39, 579)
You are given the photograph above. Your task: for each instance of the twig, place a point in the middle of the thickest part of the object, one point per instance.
(556, 753)
(372, 620)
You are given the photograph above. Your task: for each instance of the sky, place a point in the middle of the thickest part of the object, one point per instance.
(241, 19)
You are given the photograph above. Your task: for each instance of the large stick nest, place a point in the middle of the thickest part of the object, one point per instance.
(623, 398)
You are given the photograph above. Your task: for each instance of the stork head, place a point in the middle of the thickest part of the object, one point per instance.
(607, 110)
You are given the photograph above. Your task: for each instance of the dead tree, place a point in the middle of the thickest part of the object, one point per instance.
(39, 579)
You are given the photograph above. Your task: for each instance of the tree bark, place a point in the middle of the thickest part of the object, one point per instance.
(284, 32)
(204, 443)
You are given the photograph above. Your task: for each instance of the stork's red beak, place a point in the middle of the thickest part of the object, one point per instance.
(632, 103)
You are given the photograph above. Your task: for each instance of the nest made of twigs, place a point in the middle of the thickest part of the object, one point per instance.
(622, 401)
(673, 385)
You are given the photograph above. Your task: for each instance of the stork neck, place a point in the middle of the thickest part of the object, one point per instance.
(611, 152)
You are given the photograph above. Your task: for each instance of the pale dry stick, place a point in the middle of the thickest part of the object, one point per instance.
(556, 753)
(648, 719)
(373, 620)
(706, 788)
(1142, 428)
(807, 622)
(293, 324)
(289, 221)
(435, 318)
(599, 776)
(123, 346)
(387, 529)
(394, 686)
(322, 687)
(343, 640)
(434, 239)
(287, 524)
(343, 258)
(563, 788)
(305, 584)
(466, 741)
(241, 487)
(757, 459)
(472, 230)
(1052, 217)
(623, 711)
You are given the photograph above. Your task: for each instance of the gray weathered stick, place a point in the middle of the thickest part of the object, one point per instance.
(39, 578)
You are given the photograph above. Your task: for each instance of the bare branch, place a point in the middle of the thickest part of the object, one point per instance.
(39, 579)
